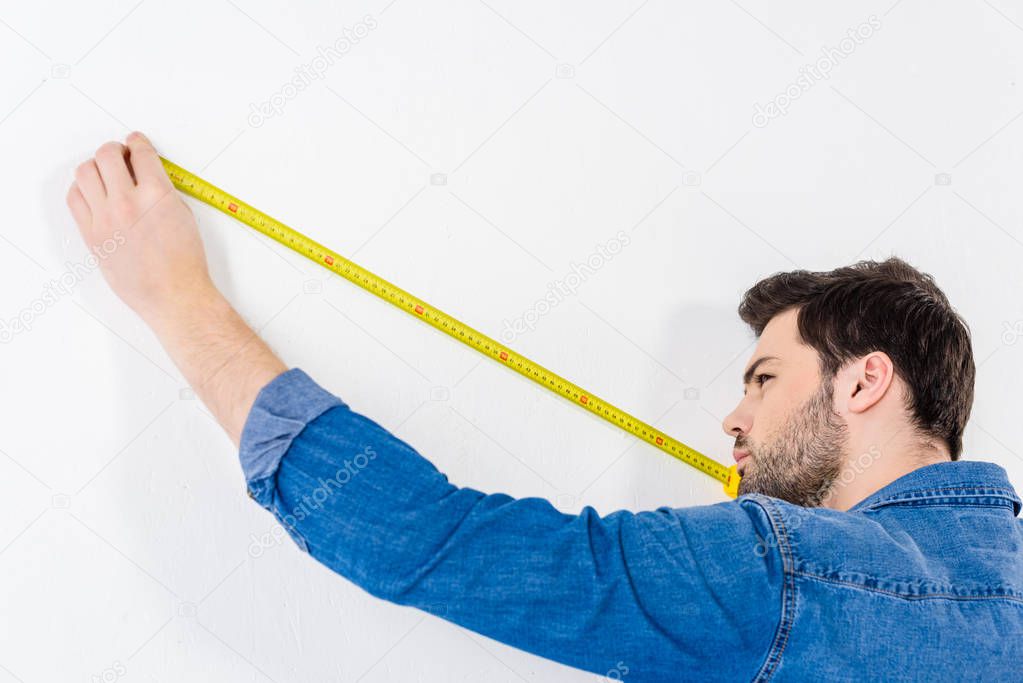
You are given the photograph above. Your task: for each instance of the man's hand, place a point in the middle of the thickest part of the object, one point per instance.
(154, 260)
(124, 204)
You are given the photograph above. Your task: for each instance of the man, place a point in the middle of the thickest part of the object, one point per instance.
(860, 548)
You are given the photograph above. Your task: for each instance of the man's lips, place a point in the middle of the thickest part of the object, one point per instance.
(740, 459)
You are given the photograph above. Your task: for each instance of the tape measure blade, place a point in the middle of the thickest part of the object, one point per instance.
(210, 194)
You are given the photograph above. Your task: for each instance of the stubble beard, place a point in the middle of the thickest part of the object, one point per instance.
(801, 464)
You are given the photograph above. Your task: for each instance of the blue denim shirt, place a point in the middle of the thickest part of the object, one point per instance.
(923, 580)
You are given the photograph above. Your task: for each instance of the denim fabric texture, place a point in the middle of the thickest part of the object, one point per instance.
(921, 581)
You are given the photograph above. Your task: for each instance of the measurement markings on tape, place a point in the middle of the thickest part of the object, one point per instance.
(206, 192)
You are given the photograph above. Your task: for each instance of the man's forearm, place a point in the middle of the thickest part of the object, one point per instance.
(221, 357)
(123, 195)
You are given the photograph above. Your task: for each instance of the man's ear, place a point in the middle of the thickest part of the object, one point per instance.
(869, 379)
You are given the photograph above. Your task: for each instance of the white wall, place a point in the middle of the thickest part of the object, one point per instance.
(126, 547)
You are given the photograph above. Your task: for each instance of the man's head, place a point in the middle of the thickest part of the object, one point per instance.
(865, 358)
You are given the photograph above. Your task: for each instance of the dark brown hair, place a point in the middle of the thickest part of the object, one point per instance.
(887, 306)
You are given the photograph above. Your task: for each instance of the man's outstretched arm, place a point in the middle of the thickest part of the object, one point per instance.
(123, 197)
(669, 594)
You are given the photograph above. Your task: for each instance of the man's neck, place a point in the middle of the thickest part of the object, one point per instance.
(871, 468)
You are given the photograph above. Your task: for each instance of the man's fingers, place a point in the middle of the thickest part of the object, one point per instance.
(89, 182)
(79, 208)
(148, 167)
(113, 168)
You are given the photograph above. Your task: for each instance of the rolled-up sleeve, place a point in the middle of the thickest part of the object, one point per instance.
(669, 594)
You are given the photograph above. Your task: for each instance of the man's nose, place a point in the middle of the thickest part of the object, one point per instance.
(737, 422)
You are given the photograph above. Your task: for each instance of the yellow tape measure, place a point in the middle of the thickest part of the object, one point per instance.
(194, 186)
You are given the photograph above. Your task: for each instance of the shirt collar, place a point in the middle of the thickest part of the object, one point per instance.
(963, 480)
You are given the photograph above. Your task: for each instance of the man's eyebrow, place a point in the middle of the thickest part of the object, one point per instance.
(753, 368)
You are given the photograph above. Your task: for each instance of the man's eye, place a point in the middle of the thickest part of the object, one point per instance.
(762, 378)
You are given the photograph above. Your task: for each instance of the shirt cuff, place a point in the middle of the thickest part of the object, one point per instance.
(282, 409)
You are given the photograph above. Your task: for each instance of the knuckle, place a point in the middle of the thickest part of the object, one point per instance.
(121, 209)
(141, 150)
(151, 195)
(83, 169)
(110, 149)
